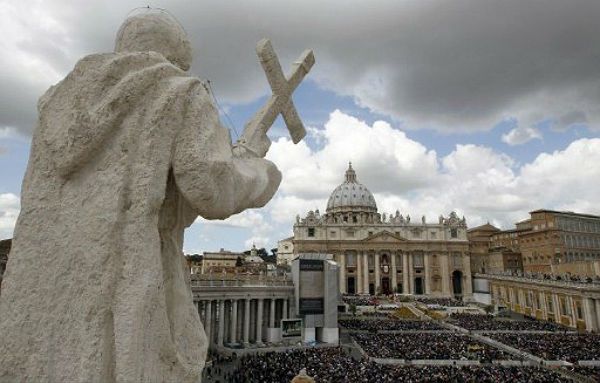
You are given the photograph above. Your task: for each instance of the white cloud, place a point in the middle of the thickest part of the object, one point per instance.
(381, 154)
(476, 181)
(259, 242)
(251, 219)
(521, 135)
(9, 211)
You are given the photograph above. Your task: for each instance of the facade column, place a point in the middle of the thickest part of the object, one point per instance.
(292, 309)
(272, 314)
(284, 313)
(543, 304)
(405, 282)
(377, 276)
(597, 304)
(208, 322)
(221, 329)
(573, 310)
(557, 314)
(468, 285)
(589, 314)
(394, 272)
(427, 285)
(259, 319)
(233, 328)
(445, 275)
(246, 321)
(366, 272)
(342, 265)
(358, 273)
(411, 274)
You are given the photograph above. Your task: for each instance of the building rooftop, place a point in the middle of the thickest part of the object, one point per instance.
(564, 213)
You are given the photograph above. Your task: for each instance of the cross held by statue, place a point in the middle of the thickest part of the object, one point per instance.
(280, 101)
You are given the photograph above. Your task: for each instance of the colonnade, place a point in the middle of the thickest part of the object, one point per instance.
(243, 320)
(568, 304)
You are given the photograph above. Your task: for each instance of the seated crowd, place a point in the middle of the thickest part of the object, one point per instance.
(375, 314)
(447, 302)
(360, 300)
(592, 372)
(568, 347)
(489, 322)
(388, 324)
(333, 365)
(415, 346)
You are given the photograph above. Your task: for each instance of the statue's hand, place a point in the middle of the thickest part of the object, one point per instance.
(254, 143)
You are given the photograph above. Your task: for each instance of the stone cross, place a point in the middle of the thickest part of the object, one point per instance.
(281, 99)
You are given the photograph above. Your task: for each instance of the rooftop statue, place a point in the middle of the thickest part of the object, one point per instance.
(127, 152)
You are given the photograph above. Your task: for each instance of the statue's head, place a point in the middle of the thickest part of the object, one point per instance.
(158, 32)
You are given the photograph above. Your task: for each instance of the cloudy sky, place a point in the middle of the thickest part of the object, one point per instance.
(489, 108)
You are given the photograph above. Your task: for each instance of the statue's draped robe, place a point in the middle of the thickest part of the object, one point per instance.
(127, 152)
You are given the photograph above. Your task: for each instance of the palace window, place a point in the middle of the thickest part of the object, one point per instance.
(398, 261)
(579, 310)
(311, 231)
(350, 260)
(453, 233)
(456, 260)
(418, 260)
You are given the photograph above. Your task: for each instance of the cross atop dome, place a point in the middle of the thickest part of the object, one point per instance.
(350, 174)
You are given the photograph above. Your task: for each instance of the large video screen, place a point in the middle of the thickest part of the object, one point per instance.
(291, 328)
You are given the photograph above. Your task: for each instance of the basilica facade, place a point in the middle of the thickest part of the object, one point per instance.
(386, 253)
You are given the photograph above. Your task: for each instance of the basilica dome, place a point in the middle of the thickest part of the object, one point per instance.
(351, 196)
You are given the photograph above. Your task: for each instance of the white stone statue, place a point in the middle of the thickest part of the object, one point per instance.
(127, 152)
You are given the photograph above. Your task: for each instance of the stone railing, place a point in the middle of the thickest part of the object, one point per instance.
(214, 280)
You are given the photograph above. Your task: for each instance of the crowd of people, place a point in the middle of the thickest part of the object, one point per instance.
(333, 365)
(418, 346)
(592, 372)
(388, 324)
(446, 302)
(558, 346)
(360, 300)
(376, 314)
(565, 277)
(489, 322)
